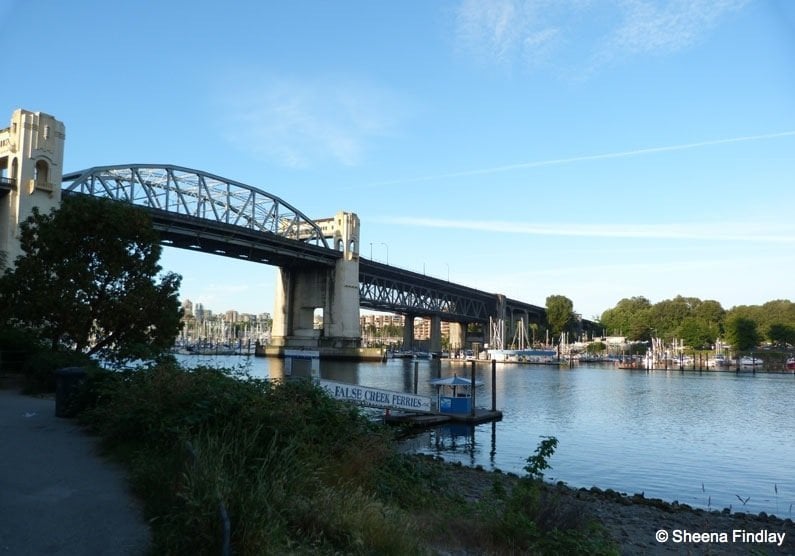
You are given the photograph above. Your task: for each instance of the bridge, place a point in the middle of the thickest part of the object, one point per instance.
(318, 260)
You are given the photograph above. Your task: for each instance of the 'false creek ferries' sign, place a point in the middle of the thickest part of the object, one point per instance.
(374, 397)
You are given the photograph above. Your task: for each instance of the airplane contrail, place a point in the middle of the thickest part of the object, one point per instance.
(584, 158)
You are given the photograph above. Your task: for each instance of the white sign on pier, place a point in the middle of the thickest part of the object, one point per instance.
(373, 397)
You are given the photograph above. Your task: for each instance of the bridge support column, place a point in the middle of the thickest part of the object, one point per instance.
(458, 332)
(408, 333)
(299, 291)
(31, 166)
(341, 311)
(436, 334)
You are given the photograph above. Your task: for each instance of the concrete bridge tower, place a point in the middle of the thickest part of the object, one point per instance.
(302, 289)
(31, 166)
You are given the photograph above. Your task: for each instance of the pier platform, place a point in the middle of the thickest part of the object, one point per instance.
(432, 419)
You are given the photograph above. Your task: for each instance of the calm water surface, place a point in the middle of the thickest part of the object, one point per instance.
(705, 439)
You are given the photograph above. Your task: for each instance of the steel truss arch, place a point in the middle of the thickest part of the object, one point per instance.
(198, 194)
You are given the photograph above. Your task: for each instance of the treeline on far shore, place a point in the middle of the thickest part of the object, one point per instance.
(703, 324)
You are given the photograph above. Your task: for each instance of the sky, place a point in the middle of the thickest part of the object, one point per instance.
(593, 149)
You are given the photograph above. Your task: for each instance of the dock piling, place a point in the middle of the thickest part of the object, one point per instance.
(473, 389)
(494, 385)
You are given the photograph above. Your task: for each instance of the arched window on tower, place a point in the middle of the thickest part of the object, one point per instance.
(42, 175)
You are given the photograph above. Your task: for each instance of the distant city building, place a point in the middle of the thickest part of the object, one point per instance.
(187, 307)
(422, 326)
(231, 316)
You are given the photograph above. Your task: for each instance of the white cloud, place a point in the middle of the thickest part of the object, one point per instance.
(666, 26)
(715, 231)
(590, 157)
(502, 30)
(532, 32)
(298, 123)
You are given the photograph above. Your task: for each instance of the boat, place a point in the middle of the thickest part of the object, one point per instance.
(749, 361)
(719, 360)
(524, 354)
(630, 363)
(791, 363)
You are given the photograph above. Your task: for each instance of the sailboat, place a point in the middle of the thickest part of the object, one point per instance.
(524, 353)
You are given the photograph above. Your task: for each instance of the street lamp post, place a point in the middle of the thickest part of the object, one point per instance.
(387, 251)
(379, 243)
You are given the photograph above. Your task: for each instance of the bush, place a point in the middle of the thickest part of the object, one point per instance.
(283, 459)
(300, 473)
(16, 348)
(39, 369)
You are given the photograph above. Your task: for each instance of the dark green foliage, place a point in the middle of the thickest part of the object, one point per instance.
(697, 333)
(781, 334)
(539, 462)
(87, 281)
(294, 469)
(742, 333)
(17, 346)
(39, 369)
(700, 323)
(299, 473)
(560, 314)
(536, 519)
(627, 316)
(596, 348)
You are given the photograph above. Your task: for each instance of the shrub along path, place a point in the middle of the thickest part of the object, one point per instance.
(57, 495)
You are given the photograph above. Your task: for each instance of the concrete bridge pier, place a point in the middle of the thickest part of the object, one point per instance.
(408, 332)
(298, 293)
(301, 290)
(436, 334)
(341, 309)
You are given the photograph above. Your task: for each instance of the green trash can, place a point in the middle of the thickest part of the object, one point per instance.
(67, 382)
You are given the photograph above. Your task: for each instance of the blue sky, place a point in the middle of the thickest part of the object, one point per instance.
(593, 149)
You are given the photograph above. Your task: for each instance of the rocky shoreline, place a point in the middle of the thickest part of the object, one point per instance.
(638, 525)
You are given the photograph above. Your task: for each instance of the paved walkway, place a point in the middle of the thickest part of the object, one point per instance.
(57, 495)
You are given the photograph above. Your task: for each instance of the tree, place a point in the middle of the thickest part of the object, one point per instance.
(86, 281)
(596, 348)
(627, 315)
(781, 334)
(696, 333)
(560, 313)
(742, 333)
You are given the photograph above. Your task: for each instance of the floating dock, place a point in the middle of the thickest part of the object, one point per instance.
(432, 419)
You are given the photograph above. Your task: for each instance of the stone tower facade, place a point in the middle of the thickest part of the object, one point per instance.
(31, 166)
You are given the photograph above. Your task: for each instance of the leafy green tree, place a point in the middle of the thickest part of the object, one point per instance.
(742, 333)
(560, 314)
(87, 281)
(711, 312)
(596, 348)
(696, 333)
(627, 316)
(781, 334)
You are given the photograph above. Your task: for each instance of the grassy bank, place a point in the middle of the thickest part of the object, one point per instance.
(280, 468)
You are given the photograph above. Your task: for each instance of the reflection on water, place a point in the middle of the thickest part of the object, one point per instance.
(703, 439)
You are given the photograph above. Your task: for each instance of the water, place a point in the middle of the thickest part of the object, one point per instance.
(706, 439)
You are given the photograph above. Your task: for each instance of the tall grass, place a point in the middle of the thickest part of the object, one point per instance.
(295, 471)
